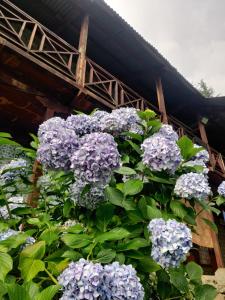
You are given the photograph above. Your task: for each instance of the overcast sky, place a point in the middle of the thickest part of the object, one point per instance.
(189, 33)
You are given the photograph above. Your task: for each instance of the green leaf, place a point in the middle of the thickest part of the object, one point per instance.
(49, 235)
(194, 271)
(178, 279)
(187, 147)
(114, 196)
(104, 214)
(30, 267)
(132, 187)
(3, 289)
(153, 212)
(220, 200)
(135, 147)
(211, 224)
(120, 257)
(133, 244)
(32, 288)
(142, 205)
(205, 292)
(148, 265)
(67, 208)
(178, 208)
(5, 135)
(48, 293)
(126, 171)
(6, 264)
(161, 179)
(36, 251)
(135, 216)
(105, 256)
(113, 235)
(72, 255)
(17, 292)
(76, 240)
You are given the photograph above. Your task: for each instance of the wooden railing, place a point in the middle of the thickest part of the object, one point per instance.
(24, 33)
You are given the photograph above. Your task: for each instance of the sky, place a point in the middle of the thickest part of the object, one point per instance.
(190, 34)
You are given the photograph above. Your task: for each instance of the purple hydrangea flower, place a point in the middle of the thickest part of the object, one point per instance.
(167, 132)
(13, 170)
(221, 189)
(82, 124)
(171, 241)
(197, 163)
(202, 155)
(122, 283)
(82, 280)
(13, 202)
(120, 120)
(51, 125)
(96, 158)
(99, 114)
(89, 199)
(161, 154)
(4, 235)
(55, 151)
(192, 186)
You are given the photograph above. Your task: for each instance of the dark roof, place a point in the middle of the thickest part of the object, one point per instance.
(117, 47)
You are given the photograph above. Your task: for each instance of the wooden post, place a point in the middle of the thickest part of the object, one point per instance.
(203, 134)
(161, 100)
(216, 246)
(81, 62)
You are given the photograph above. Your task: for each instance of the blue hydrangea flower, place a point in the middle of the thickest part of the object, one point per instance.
(122, 283)
(202, 155)
(13, 170)
(120, 120)
(167, 132)
(96, 158)
(197, 163)
(82, 124)
(171, 241)
(82, 280)
(90, 198)
(13, 202)
(221, 189)
(161, 154)
(4, 235)
(51, 125)
(55, 151)
(99, 114)
(192, 186)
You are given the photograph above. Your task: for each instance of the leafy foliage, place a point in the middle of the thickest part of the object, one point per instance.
(115, 231)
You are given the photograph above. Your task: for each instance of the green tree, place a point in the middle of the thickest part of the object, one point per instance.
(205, 90)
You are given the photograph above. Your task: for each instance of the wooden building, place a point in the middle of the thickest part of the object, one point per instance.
(57, 56)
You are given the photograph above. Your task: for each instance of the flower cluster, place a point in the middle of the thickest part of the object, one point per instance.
(197, 163)
(96, 158)
(202, 155)
(56, 148)
(87, 195)
(221, 189)
(122, 119)
(82, 280)
(13, 170)
(121, 282)
(161, 153)
(4, 235)
(167, 132)
(85, 280)
(171, 241)
(82, 124)
(52, 125)
(192, 186)
(13, 202)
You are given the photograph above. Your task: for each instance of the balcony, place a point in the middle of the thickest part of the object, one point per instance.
(39, 46)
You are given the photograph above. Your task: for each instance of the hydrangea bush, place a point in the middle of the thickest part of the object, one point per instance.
(113, 213)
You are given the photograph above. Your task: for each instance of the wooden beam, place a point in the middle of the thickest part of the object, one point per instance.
(203, 134)
(81, 62)
(161, 100)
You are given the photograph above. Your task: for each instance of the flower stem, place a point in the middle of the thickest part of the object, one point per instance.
(51, 276)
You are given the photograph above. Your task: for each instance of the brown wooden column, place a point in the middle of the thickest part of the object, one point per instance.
(161, 100)
(81, 62)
